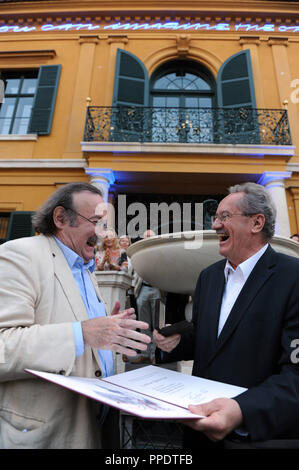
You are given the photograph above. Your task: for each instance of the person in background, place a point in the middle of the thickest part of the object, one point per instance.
(108, 254)
(53, 319)
(295, 237)
(175, 306)
(147, 297)
(124, 242)
(124, 261)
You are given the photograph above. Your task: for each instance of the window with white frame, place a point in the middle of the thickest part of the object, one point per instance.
(15, 112)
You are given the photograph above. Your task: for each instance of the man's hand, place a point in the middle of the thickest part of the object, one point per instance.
(223, 415)
(116, 332)
(166, 344)
(129, 311)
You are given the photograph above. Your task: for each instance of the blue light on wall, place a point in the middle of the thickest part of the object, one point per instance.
(158, 26)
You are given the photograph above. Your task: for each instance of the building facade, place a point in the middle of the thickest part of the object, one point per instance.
(154, 102)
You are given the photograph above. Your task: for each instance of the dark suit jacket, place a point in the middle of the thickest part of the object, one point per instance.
(254, 348)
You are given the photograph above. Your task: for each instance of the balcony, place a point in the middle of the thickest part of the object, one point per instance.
(216, 126)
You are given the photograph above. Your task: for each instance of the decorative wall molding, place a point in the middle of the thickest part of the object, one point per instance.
(42, 163)
(31, 54)
(226, 149)
(18, 137)
(183, 45)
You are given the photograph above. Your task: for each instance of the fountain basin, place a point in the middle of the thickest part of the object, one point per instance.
(173, 261)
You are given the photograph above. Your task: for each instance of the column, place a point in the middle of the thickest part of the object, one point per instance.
(295, 196)
(252, 43)
(102, 179)
(274, 183)
(81, 92)
(116, 41)
(284, 78)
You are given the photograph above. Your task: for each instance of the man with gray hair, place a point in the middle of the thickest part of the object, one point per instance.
(53, 319)
(246, 322)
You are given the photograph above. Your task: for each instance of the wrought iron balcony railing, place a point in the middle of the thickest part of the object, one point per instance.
(187, 125)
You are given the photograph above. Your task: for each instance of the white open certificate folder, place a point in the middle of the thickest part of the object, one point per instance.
(149, 392)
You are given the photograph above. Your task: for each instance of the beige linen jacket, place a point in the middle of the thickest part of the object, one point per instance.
(39, 300)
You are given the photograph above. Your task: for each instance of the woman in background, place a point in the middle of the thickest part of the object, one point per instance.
(124, 261)
(109, 253)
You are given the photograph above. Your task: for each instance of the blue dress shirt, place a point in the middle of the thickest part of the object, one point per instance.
(95, 308)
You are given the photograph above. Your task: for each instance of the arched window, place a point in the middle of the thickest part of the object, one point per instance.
(178, 103)
(182, 94)
(182, 84)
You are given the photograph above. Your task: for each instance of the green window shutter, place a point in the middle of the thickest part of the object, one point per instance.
(44, 100)
(20, 225)
(131, 95)
(131, 81)
(237, 117)
(235, 86)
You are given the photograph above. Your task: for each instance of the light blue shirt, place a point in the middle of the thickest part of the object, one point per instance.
(95, 308)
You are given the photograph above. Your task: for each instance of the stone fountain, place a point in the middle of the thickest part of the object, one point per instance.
(173, 261)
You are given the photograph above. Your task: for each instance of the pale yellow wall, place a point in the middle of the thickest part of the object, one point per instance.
(96, 70)
(88, 61)
(27, 190)
(67, 51)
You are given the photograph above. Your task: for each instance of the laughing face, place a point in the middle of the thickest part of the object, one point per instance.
(237, 233)
(81, 237)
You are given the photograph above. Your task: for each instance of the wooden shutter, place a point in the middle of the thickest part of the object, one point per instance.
(235, 83)
(131, 81)
(238, 117)
(44, 100)
(20, 225)
(131, 94)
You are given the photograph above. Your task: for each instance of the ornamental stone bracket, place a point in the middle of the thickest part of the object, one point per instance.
(183, 45)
